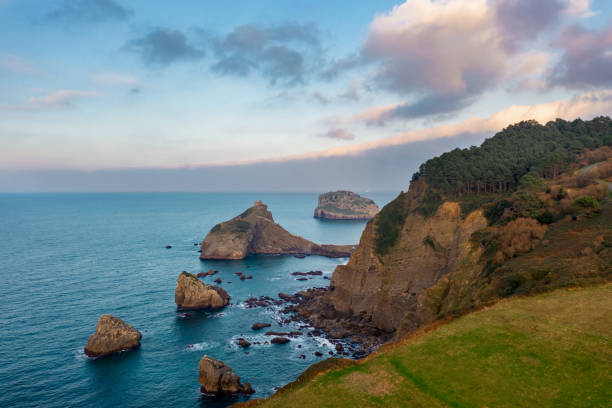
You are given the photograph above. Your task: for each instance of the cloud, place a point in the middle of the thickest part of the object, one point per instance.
(282, 54)
(339, 134)
(15, 64)
(433, 52)
(88, 11)
(521, 20)
(58, 99)
(319, 97)
(110, 78)
(585, 105)
(579, 8)
(586, 60)
(164, 46)
(440, 56)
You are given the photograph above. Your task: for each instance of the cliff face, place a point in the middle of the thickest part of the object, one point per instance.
(255, 232)
(345, 205)
(384, 290)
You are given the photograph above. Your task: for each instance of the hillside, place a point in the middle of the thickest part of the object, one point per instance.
(549, 350)
(435, 251)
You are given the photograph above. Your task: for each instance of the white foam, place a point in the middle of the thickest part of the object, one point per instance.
(200, 346)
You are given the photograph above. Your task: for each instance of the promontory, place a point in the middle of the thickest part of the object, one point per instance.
(345, 205)
(254, 232)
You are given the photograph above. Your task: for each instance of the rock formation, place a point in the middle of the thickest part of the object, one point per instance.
(217, 378)
(192, 293)
(255, 232)
(373, 295)
(345, 205)
(112, 336)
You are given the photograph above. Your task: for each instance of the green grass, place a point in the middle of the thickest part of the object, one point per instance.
(551, 350)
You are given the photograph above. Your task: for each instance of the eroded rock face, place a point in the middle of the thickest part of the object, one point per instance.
(385, 290)
(192, 293)
(255, 232)
(345, 205)
(112, 335)
(216, 377)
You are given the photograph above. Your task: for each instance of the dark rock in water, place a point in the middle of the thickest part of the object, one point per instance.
(250, 277)
(285, 296)
(339, 347)
(195, 244)
(302, 279)
(218, 280)
(168, 246)
(257, 326)
(302, 356)
(318, 353)
(326, 277)
(217, 378)
(280, 340)
(243, 343)
(331, 353)
(300, 256)
(315, 273)
(201, 274)
(238, 273)
(112, 336)
(299, 346)
(242, 277)
(287, 334)
(211, 272)
(192, 293)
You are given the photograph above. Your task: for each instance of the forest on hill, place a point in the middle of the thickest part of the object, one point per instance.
(526, 149)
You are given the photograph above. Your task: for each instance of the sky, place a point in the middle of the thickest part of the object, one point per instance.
(152, 95)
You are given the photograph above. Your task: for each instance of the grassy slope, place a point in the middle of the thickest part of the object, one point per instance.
(549, 350)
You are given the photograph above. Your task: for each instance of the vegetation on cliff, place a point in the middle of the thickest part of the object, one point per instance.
(508, 171)
(544, 351)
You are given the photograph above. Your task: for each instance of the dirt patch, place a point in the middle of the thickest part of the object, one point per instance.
(378, 383)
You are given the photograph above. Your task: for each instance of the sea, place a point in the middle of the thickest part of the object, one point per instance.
(66, 259)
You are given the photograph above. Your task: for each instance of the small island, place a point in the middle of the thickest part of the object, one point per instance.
(254, 232)
(345, 205)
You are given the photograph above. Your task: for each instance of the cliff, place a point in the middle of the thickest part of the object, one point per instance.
(345, 205)
(418, 262)
(254, 232)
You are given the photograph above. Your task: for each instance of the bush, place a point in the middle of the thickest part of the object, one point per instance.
(389, 223)
(494, 212)
(561, 194)
(546, 217)
(588, 204)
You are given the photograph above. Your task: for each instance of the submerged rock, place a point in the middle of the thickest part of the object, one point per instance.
(112, 336)
(255, 232)
(243, 343)
(257, 326)
(217, 378)
(280, 340)
(345, 205)
(192, 293)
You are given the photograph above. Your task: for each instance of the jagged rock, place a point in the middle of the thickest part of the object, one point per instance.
(112, 336)
(255, 232)
(280, 340)
(258, 326)
(192, 293)
(345, 205)
(243, 343)
(318, 353)
(217, 378)
(218, 280)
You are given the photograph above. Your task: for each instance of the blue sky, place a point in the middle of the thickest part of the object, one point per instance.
(95, 86)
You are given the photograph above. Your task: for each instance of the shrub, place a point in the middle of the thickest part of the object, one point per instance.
(389, 223)
(494, 212)
(546, 217)
(587, 204)
(520, 235)
(561, 194)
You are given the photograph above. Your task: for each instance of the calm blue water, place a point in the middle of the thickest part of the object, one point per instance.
(65, 259)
